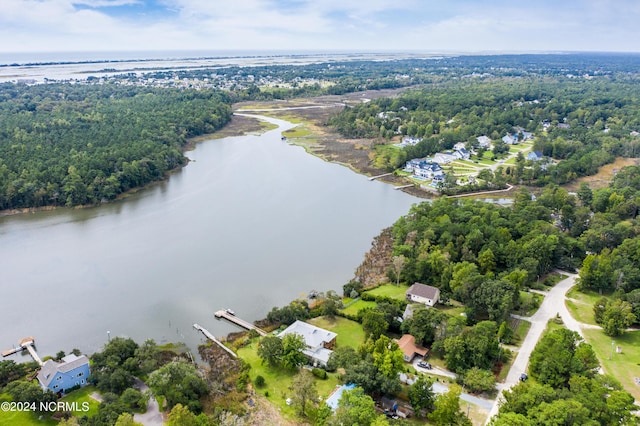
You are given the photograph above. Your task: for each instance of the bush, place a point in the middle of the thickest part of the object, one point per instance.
(319, 373)
(259, 381)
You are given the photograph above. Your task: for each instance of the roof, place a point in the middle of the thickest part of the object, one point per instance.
(313, 336)
(69, 363)
(423, 290)
(407, 344)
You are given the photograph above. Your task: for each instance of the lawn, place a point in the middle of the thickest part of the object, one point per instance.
(624, 366)
(22, 417)
(297, 132)
(81, 396)
(278, 381)
(580, 304)
(359, 305)
(349, 332)
(521, 330)
(392, 291)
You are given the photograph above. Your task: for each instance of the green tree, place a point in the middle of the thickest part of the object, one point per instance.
(292, 347)
(355, 408)
(271, 350)
(558, 355)
(421, 395)
(374, 324)
(304, 391)
(478, 380)
(447, 408)
(126, 419)
(613, 315)
(180, 383)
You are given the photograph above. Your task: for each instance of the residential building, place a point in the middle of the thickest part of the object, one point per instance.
(71, 371)
(422, 293)
(319, 342)
(410, 350)
(444, 157)
(534, 156)
(484, 141)
(422, 168)
(510, 139)
(462, 154)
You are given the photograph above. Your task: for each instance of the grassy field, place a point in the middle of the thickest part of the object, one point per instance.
(358, 305)
(81, 396)
(580, 304)
(22, 417)
(278, 382)
(390, 290)
(349, 332)
(624, 366)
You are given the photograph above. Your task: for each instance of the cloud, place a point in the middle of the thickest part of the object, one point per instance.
(462, 25)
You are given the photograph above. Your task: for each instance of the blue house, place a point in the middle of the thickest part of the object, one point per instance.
(72, 371)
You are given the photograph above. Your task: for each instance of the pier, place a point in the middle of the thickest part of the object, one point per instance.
(28, 344)
(224, 313)
(403, 187)
(379, 176)
(211, 337)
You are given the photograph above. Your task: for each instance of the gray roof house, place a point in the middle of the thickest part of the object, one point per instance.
(59, 376)
(534, 156)
(320, 342)
(422, 293)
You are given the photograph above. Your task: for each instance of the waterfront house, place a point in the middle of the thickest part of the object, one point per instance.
(319, 342)
(410, 350)
(422, 168)
(422, 293)
(58, 377)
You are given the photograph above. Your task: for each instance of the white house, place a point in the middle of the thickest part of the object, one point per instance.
(422, 168)
(462, 154)
(422, 293)
(510, 139)
(319, 342)
(444, 157)
(483, 141)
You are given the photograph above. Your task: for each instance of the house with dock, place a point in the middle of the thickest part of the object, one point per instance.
(61, 376)
(319, 342)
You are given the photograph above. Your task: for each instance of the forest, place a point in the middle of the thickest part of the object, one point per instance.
(69, 145)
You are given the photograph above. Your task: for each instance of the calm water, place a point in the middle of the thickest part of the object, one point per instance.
(249, 224)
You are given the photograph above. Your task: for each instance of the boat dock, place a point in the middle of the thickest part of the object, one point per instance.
(379, 176)
(403, 187)
(224, 313)
(28, 344)
(211, 337)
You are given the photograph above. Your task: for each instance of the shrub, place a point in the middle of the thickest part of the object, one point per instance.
(259, 381)
(319, 373)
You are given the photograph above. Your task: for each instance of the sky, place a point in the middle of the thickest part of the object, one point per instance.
(320, 25)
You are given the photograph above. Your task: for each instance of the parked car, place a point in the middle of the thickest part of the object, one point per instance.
(424, 365)
(523, 377)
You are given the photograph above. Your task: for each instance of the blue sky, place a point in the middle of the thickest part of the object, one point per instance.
(369, 25)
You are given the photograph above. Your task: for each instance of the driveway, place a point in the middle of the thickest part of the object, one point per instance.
(153, 416)
(552, 305)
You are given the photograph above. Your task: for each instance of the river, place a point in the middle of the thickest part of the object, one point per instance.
(251, 223)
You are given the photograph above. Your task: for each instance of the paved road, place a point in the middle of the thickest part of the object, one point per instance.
(153, 416)
(552, 305)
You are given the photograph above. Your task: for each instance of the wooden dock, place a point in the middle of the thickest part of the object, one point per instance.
(27, 344)
(211, 337)
(403, 187)
(238, 321)
(379, 176)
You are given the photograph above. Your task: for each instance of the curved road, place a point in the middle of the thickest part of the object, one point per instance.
(552, 305)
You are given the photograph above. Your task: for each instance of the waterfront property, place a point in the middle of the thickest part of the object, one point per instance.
(319, 342)
(58, 377)
(422, 293)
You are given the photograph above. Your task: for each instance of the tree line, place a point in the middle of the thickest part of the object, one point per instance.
(63, 144)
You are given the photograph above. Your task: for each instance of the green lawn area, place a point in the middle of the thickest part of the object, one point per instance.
(581, 305)
(81, 396)
(393, 291)
(297, 132)
(521, 330)
(358, 305)
(22, 417)
(349, 332)
(624, 366)
(278, 382)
